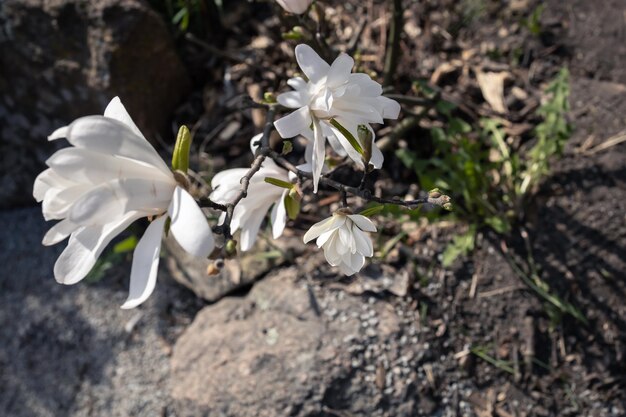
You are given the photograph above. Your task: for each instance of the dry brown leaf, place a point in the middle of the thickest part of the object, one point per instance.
(492, 86)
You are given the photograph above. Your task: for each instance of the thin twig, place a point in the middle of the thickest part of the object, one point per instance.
(354, 42)
(418, 101)
(223, 53)
(361, 193)
(261, 153)
(392, 52)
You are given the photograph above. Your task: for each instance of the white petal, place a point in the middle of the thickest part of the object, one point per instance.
(59, 232)
(314, 67)
(110, 136)
(390, 108)
(317, 229)
(84, 165)
(259, 199)
(352, 153)
(377, 158)
(116, 110)
(291, 99)
(297, 83)
(85, 246)
(331, 223)
(58, 201)
(59, 133)
(255, 142)
(339, 70)
(46, 180)
(363, 222)
(114, 198)
(226, 185)
(323, 102)
(341, 246)
(352, 264)
(335, 144)
(361, 110)
(143, 272)
(367, 86)
(279, 216)
(250, 228)
(319, 153)
(294, 123)
(295, 6)
(362, 241)
(189, 225)
(332, 255)
(323, 238)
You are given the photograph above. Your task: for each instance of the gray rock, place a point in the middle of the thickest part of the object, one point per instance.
(235, 273)
(70, 350)
(63, 59)
(290, 348)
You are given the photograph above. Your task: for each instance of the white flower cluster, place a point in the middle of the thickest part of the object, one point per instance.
(333, 102)
(112, 176)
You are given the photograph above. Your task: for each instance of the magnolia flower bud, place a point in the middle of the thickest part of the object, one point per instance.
(295, 6)
(366, 138)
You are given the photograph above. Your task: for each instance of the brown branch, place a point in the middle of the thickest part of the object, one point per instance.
(439, 200)
(392, 52)
(261, 153)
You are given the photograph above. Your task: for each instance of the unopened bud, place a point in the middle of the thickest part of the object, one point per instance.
(365, 138)
(287, 147)
(448, 206)
(296, 193)
(292, 202)
(434, 193)
(269, 97)
(180, 157)
(231, 247)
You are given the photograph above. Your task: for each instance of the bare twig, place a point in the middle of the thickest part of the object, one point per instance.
(262, 152)
(223, 53)
(354, 42)
(418, 101)
(361, 193)
(392, 53)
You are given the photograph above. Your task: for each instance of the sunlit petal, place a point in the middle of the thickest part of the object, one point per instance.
(143, 272)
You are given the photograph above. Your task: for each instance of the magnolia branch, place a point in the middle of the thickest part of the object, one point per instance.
(264, 151)
(434, 198)
(261, 153)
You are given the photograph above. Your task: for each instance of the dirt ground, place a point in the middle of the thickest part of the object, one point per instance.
(70, 351)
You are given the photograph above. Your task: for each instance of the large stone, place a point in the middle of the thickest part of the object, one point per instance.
(63, 59)
(237, 273)
(292, 348)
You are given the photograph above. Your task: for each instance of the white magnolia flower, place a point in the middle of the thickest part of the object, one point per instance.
(344, 240)
(250, 211)
(111, 177)
(295, 6)
(333, 96)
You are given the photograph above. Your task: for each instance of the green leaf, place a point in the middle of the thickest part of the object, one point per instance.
(180, 158)
(346, 133)
(457, 126)
(445, 107)
(460, 245)
(374, 208)
(279, 183)
(126, 245)
(498, 224)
